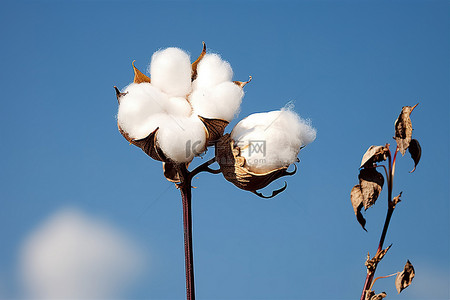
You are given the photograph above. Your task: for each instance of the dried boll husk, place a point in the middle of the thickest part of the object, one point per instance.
(233, 168)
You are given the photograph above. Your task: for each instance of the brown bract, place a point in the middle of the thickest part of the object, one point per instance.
(214, 129)
(139, 77)
(195, 63)
(405, 277)
(403, 128)
(241, 84)
(233, 169)
(374, 154)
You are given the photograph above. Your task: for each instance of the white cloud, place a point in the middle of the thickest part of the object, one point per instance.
(75, 256)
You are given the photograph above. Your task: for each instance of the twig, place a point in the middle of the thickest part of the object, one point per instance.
(205, 168)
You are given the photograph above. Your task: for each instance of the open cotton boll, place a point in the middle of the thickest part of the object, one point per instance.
(170, 71)
(272, 140)
(211, 71)
(220, 102)
(138, 103)
(178, 106)
(182, 138)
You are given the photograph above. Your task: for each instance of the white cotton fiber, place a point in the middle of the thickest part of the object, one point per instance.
(221, 102)
(139, 102)
(211, 71)
(178, 106)
(182, 138)
(272, 140)
(170, 71)
(172, 103)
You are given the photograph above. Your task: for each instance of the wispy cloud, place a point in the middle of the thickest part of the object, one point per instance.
(75, 256)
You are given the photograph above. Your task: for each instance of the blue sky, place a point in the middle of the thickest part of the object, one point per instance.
(349, 66)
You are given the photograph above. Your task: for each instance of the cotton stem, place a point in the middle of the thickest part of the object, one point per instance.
(185, 189)
(391, 206)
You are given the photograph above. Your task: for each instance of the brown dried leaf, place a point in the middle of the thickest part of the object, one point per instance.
(405, 277)
(416, 152)
(403, 128)
(241, 84)
(371, 295)
(371, 182)
(214, 129)
(139, 77)
(149, 146)
(195, 63)
(374, 154)
(233, 167)
(357, 203)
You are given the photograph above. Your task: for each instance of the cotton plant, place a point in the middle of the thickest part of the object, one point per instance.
(365, 194)
(182, 109)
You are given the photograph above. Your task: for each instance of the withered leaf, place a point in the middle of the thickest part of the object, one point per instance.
(403, 128)
(214, 129)
(357, 203)
(241, 84)
(370, 295)
(374, 154)
(139, 77)
(196, 62)
(405, 277)
(371, 183)
(416, 151)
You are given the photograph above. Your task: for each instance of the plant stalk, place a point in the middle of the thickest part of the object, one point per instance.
(186, 196)
(391, 207)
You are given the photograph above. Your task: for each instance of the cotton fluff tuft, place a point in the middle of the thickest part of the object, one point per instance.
(170, 71)
(272, 140)
(172, 103)
(220, 102)
(182, 138)
(178, 106)
(211, 71)
(139, 102)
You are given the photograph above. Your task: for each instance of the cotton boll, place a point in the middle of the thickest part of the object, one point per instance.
(139, 102)
(170, 71)
(220, 102)
(182, 138)
(151, 123)
(272, 140)
(211, 71)
(178, 106)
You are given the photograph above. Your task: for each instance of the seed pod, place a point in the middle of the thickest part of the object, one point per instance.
(234, 170)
